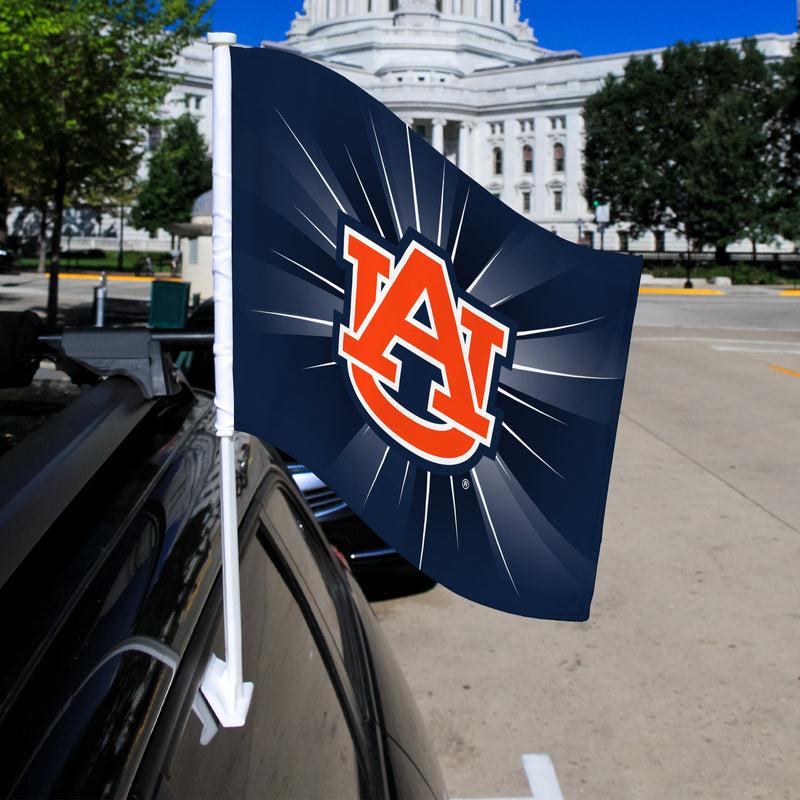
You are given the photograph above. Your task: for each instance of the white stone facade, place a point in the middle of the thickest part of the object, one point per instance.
(469, 76)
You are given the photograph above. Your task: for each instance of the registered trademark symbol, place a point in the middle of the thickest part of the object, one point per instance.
(465, 484)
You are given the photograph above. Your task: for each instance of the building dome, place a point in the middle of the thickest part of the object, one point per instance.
(203, 206)
(389, 37)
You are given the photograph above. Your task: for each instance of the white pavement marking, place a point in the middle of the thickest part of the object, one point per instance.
(541, 777)
(754, 349)
(729, 345)
(709, 339)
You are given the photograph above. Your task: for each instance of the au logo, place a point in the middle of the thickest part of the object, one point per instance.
(403, 305)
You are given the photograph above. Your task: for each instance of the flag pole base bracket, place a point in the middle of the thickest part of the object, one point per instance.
(228, 702)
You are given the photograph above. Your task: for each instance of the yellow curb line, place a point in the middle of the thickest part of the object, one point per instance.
(652, 290)
(790, 293)
(787, 371)
(85, 277)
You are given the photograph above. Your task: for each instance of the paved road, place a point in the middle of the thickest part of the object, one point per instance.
(685, 682)
(126, 299)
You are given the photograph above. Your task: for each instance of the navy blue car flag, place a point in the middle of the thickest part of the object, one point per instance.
(453, 371)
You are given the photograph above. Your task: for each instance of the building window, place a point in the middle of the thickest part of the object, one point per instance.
(558, 123)
(497, 161)
(527, 159)
(526, 201)
(558, 157)
(420, 130)
(558, 200)
(193, 251)
(659, 241)
(154, 137)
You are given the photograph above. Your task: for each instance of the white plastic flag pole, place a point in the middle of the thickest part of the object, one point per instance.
(223, 687)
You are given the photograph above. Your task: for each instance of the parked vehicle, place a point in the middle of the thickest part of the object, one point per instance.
(110, 579)
(7, 259)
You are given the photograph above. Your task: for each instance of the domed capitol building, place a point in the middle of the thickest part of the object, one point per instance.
(469, 77)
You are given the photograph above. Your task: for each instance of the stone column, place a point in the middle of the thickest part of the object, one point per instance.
(437, 138)
(510, 161)
(541, 158)
(496, 12)
(511, 12)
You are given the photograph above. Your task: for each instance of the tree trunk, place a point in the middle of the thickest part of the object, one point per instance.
(55, 249)
(42, 268)
(5, 202)
(721, 256)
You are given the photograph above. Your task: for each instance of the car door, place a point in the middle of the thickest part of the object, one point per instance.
(305, 734)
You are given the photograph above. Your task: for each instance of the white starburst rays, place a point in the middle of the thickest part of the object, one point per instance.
(455, 513)
(413, 179)
(536, 331)
(458, 232)
(327, 322)
(366, 196)
(312, 162)
(489, 523)
(386, 179)
(492, 528)
(441, 206)
(377, 472)
(333, 286)
(501, 389)
(425, 520)
(532, 451)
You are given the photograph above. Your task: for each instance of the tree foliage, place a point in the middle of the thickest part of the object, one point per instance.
(179, 171)
(79, 82)
(682, 144)
(785, 142)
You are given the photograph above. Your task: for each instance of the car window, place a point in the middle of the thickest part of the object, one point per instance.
(302, 546)
(297, 741)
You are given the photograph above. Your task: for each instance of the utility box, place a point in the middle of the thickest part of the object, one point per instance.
(169, 303)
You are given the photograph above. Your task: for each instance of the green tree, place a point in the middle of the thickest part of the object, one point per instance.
(785, 140)
(179, 171)
(83, 79)
(682, 144)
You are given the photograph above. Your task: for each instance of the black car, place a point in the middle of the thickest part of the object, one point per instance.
(7, 259)
(381, 570)
(110, 585)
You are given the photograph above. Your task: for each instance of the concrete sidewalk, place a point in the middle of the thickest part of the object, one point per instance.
(685, 682)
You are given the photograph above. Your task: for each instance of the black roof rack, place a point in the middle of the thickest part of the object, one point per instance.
(57, 459)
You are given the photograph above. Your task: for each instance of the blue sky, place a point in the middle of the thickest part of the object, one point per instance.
(591, 26)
